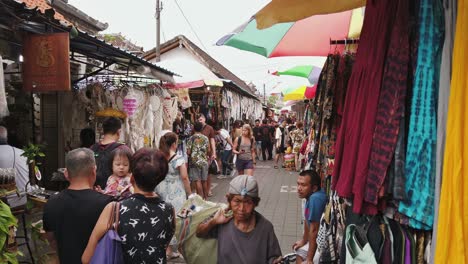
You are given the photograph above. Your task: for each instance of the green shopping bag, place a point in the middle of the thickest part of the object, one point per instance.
(196, 250)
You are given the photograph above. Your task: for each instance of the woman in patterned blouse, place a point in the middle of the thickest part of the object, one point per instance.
(147, 223)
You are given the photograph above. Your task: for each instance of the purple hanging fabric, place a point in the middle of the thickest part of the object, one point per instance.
(407, 249)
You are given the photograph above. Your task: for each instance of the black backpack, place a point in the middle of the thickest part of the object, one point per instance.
(103, 163)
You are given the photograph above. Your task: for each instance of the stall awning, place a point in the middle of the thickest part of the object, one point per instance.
(98, 49)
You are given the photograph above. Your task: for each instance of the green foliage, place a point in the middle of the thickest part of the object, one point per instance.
(32, 151)
(7, 220)
(272, 100)
(109, 37)
(40, 247)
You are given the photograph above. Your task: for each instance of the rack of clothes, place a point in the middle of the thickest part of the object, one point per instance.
(376, 131)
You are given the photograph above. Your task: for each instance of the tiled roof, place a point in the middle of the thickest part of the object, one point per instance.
(209, 61)
(42, 5)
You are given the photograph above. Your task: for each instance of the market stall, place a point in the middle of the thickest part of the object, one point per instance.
(378, 124)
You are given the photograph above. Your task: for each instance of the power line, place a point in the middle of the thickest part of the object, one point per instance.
(191, 27)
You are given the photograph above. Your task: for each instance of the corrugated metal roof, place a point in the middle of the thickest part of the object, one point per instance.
(33, 19)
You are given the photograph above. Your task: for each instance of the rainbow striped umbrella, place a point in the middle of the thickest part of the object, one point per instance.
(307, 37)
(299, 93)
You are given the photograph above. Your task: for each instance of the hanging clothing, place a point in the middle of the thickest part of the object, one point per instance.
(452, 229)
(396, 172)
(420, 154)
(354, 139)
(391, 106)
(450, 10)
(324, 118)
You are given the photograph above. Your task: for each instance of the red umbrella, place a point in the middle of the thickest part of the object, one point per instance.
(307, 37)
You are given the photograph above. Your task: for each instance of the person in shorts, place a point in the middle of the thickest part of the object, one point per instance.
(197, 150)
(244, 147)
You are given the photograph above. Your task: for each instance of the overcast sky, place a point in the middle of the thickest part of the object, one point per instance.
(210, 20)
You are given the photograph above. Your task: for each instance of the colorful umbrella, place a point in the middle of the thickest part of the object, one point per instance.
(290, 103)
(281, 11)
(307, 37)
(310, 72)
(299, 93)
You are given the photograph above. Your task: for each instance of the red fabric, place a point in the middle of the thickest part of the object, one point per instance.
(354, 139)
(391, 104)
(310, 92)
(311, 36)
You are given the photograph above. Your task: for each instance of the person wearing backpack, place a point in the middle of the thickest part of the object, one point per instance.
(266, 141)
(102, 151)
(244, 147)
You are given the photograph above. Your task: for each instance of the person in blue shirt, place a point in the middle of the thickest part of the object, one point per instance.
(308, 187)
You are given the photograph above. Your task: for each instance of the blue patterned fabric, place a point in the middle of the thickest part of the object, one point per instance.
(422, 135)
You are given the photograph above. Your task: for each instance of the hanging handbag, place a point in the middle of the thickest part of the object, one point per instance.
(213, 168)
(109, 248)
(326, 234)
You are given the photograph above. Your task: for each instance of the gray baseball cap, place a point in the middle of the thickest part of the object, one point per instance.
(244, 185)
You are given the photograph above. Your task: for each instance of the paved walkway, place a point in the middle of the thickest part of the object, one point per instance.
(279, 201)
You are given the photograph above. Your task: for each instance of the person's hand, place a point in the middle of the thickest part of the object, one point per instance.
(98, 189)
(299, 244)
(220, 218)
(213, 157)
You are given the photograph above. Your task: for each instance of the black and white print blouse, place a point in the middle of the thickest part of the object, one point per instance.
(146, 228)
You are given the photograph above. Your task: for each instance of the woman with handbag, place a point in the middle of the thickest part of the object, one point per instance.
(146, 223)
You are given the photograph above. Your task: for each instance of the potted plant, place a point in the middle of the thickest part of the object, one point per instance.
(32, 152)
(8, 247)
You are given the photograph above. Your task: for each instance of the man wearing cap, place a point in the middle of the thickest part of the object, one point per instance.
(244, 235)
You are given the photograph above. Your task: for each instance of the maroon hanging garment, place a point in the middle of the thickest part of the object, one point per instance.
(391, 108)
(354, 139)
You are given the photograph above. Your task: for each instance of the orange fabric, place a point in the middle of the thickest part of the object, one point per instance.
(452, 229)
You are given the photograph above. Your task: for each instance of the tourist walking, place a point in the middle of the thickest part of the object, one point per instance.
(225, 143)
(197, 151)
(70, 216)
(146, 223)
(244, 147)
(175, 188)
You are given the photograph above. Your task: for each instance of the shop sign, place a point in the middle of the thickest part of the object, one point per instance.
(46, 65)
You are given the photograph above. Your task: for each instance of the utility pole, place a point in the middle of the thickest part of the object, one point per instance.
(158, 30)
